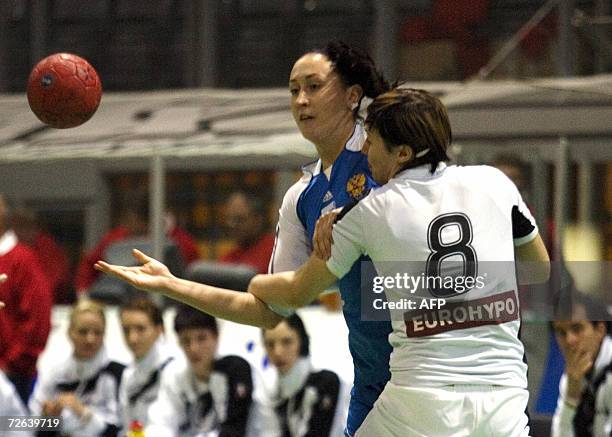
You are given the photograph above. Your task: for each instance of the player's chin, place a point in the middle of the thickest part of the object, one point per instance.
(309, 131)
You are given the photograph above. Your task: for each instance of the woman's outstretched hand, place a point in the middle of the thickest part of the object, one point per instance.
(151, 275)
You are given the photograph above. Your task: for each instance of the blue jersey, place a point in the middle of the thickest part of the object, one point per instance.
(315, 194)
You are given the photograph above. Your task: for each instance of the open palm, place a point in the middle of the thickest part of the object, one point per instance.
(151, 275)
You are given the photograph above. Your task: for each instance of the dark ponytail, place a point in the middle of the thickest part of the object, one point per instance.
(355, 67)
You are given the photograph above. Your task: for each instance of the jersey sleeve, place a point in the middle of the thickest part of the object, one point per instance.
(291, 245)
(240, 395)
(524, 227)
(349, 245)
(327, 385)
(562, 422)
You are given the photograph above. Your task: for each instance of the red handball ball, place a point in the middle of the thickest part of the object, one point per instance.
(64, 90)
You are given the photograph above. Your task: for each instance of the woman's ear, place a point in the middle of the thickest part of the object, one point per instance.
(353, 95)
(405, 154)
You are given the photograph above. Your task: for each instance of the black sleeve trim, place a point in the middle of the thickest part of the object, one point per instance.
(521, 225)
(152, 381)
(110, 431)
(327, 385)
(240, 392)
(352, 204)
(113, 368)
(116, 371)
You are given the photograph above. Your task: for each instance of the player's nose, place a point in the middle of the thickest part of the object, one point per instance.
(302, 98)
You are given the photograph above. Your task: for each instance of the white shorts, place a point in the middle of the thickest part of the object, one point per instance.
(461, 410)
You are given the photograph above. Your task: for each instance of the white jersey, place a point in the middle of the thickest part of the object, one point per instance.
(140, 384)
(95, 383)
(562, 423)
(224, 405)
(413, 228)
(307, 402)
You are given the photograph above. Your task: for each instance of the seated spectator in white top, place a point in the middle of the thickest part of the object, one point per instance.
(83, 387)
(307, 403)
(584, 407)
(143, 327)
(206, 395)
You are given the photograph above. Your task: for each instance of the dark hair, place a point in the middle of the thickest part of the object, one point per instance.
(595, 310)
(295, 322)
(406, 116)
(355, 67)
(189, 318)
(144, 305)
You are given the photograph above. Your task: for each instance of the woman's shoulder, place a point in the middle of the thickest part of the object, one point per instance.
(324, 379)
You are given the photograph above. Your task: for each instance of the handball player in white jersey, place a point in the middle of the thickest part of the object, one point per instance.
(457, 370)
(457, 367)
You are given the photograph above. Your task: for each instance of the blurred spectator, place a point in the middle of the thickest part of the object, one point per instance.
(133, 222)
(51, 255)
(585, 392)
(183, 239)
(306, 402)
(82, 388)
(11, 405)
(26, 320)
(204, 395)
(246, 223)
(143, 327)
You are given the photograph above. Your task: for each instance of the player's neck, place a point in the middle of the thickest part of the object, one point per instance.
(203, 374)
(330, 148)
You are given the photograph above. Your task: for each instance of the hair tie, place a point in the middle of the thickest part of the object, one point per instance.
(422, 153)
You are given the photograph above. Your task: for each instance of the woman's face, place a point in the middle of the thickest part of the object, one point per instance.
(320, 103)
(139, 331)
(200, 347)
(282, 346)
(86, 334)
(383, 164)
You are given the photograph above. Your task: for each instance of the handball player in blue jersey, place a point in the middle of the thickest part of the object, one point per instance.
(327, 87)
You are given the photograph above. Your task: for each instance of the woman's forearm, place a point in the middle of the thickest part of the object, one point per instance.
(235, 306)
